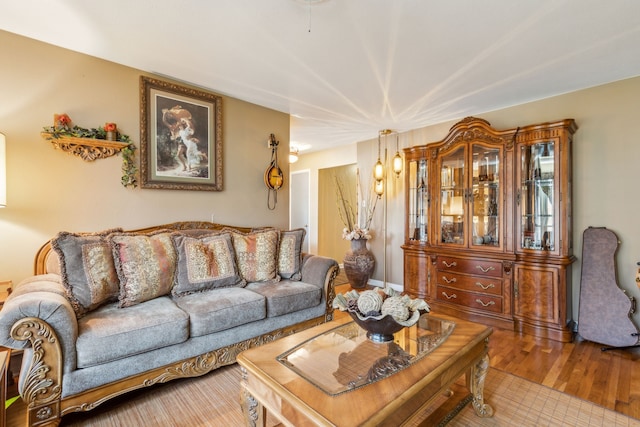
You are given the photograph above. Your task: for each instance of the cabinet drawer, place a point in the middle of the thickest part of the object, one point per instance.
(487, 285)
(475, 300)
(469, 266)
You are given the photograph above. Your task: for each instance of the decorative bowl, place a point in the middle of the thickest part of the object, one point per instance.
(381, 321)
(378, 330)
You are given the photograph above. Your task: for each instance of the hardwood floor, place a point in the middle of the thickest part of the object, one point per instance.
(607, 378)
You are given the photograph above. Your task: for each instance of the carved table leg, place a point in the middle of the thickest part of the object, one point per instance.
(254, 413)
(476, 386)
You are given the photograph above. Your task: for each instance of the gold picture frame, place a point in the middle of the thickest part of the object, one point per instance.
(180, 137)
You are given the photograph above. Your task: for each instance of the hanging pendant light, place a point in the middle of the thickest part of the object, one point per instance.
(378, 168)
(379, 188)
(397, 160)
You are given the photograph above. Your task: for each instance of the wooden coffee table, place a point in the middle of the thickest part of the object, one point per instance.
(332, 375)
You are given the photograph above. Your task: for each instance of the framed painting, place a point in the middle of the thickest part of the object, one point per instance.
(180, 137)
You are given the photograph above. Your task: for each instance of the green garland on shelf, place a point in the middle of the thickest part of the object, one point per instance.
(62, 128)
(129, 168)
(80, 132)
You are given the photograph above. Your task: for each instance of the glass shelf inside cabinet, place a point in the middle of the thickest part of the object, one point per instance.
(452, 198)
(486, 196)
(418, 200)
(537, 197)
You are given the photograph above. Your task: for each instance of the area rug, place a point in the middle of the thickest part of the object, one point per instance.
(520, 402)
(213, 400)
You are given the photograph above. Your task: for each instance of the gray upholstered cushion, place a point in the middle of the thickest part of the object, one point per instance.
(87, 269)
(290, 254)
(111, 333)
(287, 296)
(219, 309)
(204, 262)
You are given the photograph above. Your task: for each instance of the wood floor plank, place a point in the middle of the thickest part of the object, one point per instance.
(552, 377)
(611, 386)
(604, 381)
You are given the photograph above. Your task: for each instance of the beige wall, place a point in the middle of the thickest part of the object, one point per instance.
(50, 191)
(606, 178)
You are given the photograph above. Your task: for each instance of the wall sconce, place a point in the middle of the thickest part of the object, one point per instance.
(3, 171)
(293, 155)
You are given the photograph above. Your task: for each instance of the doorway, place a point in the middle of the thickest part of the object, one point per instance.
(330, 226)
(299, 204)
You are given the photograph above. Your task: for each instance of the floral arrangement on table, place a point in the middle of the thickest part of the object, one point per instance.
(350, 214)
(374, 304)
(63, 127)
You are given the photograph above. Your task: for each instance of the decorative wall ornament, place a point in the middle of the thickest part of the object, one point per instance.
(273, 176)
(180, 137)
(94, 143)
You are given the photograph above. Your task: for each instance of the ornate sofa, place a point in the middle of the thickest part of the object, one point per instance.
(111, 312)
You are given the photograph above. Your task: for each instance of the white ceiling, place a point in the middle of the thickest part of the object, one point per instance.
(345, 69)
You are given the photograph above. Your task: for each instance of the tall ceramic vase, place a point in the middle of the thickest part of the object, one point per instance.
(359, 264)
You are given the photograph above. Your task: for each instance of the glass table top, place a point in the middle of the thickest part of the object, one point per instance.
(343, 358)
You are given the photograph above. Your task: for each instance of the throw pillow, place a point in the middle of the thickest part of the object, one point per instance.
(145, 264)
(87, 269)
(256, 254)
(290, 254)
(204, 263)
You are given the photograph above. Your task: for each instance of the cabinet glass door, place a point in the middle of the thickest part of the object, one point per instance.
(418, 200)
(537, 197)
(452, 197)
(485, 196)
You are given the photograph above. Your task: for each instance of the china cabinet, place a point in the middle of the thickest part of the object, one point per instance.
(488, 225)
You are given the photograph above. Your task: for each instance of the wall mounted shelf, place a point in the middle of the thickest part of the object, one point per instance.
(88, 149)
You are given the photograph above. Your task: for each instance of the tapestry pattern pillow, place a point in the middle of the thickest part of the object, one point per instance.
(87, 269)
(257, 254)
(290, 254)
(204, 263)
(145, 264)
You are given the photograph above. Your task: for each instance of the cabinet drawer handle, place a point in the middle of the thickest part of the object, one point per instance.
(485, 304)
(453, 264)
(452, 296)
(485, 287)
(484, 270)
(454, 280)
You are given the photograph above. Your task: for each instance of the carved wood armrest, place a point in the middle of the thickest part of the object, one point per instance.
(42, 388)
